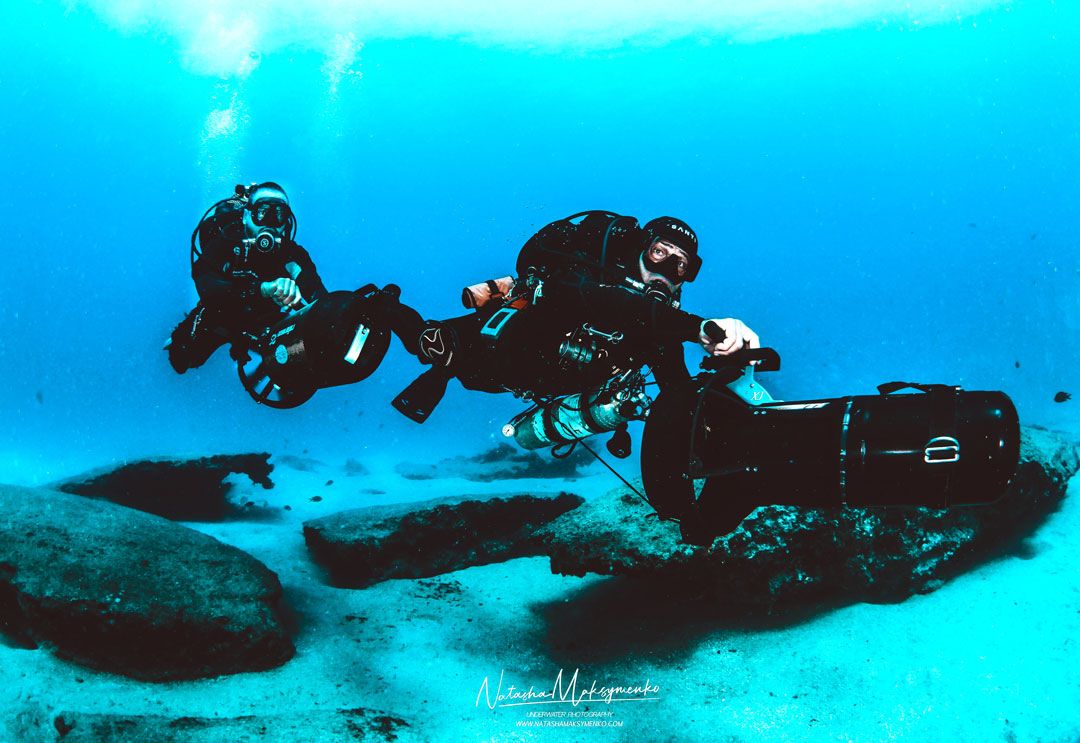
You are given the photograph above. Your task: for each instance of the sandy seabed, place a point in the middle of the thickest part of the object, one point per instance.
(992, 655)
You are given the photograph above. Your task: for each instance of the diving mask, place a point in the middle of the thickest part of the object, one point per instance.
(667, 260)
(271, 213)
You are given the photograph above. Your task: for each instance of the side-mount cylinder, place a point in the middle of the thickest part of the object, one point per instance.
(577, 416)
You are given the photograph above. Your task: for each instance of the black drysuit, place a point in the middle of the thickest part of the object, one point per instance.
(228, 276)
(530, 351)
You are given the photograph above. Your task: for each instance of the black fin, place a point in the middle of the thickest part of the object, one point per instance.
(421, 397)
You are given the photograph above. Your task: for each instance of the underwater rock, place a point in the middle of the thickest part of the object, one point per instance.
(785, 555)
(328, 725)
(502, 462)
(126, 592)
(178, 489)
(355, 468)
(418, 540)
(298, 463)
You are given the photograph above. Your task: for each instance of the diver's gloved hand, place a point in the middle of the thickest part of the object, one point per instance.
(283, 291)
(736, 337)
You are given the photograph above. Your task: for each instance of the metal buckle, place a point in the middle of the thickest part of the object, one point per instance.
(614, 337)
(942, 450)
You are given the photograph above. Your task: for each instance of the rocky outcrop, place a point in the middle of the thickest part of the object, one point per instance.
(500, 463)
(178, 489)
(318, 725)
(130, 593)
(419, 540)
(786, 555)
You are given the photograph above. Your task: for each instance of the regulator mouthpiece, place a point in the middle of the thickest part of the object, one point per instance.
(659, 291)
(267, 241)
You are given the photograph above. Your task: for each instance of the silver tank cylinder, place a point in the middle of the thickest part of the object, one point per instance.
(569, 418)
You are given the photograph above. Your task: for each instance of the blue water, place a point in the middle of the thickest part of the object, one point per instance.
(889, 196)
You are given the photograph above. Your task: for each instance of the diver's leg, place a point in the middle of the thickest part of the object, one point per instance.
(452, 344)
(439, 344)
(405, 322)
(456, 345)
(452, 348)
(384, 306)
(195, 339)
(436, 344)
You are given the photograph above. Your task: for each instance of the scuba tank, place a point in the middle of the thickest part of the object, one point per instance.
(573, 417)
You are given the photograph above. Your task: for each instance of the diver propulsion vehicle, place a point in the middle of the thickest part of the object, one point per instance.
(339, 339)
(719, 446)
(714, 448)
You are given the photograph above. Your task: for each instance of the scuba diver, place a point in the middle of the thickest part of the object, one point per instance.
(248, 271)
(595, 300)
(260, 292)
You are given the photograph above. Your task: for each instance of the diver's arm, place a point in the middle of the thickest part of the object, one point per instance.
(284, 292)
(308, 279)
(669, 366)
(216, 287)
(723, 336)
(618, 307)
